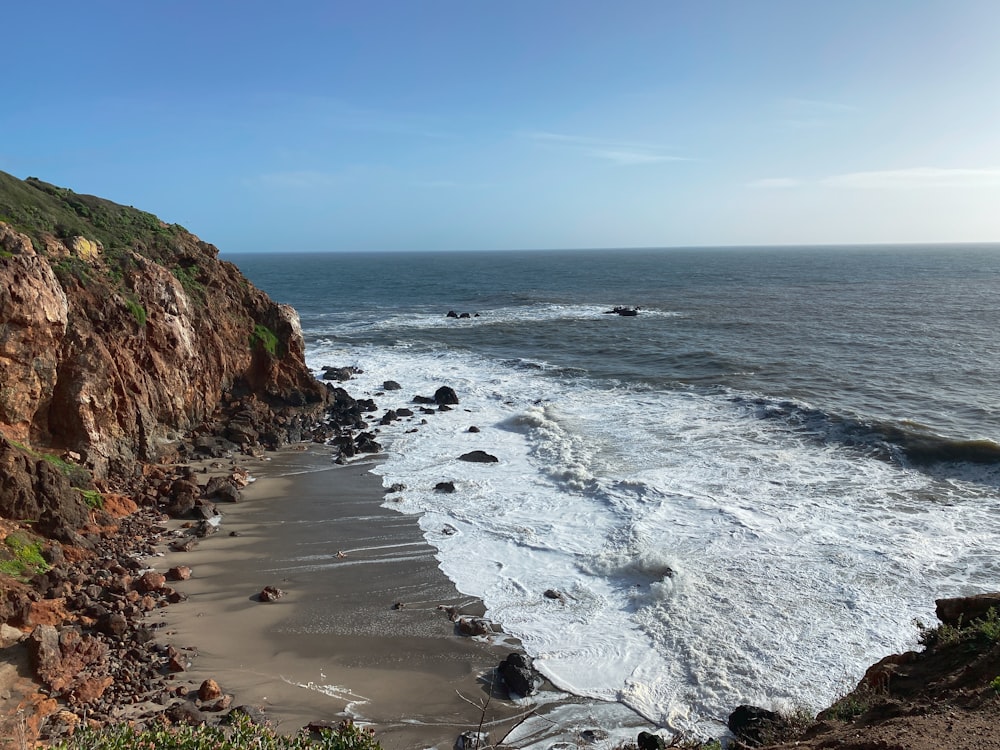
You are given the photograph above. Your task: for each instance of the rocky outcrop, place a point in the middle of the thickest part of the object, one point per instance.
(112, 351)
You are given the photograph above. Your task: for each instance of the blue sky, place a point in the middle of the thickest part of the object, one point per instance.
(448, 125)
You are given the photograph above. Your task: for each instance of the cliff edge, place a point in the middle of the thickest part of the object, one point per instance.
(119, 333)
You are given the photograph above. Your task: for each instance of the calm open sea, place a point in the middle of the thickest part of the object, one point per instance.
(746, 493)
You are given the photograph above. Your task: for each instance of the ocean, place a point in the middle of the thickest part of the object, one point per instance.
(746, 493)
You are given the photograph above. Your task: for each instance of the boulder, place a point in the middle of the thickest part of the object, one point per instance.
(964, 609)
(209, 690)
(752, 724)
(649, 741)
(470, 626)
(179, 573)
(518, 674)
(444, 487)
(150, 581)
(391, 385)
(222, 488)
(445, 395)
(478, 457)
(64, 659)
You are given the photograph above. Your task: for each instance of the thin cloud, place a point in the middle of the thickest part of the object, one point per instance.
(774, 183)
(915, 178)
(624, 153)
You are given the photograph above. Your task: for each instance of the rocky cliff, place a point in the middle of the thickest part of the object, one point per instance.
(119, 333)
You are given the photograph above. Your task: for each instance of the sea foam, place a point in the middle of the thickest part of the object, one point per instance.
(706, 557)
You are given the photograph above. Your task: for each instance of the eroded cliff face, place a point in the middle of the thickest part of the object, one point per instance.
(114, 354)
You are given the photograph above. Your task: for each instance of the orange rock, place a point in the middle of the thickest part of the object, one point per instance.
(209, 690)
(119, 505)
(47, 612)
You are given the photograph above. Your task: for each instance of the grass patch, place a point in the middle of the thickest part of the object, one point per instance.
(188, 276)
(92, 498)
(25, 557)
(37, 208)
(852, 705)
(242, 734)
(264, 338)
(137, 310)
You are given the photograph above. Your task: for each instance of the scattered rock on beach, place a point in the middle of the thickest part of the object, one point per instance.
(179, 573)
(209, 690)
(471, 626)
(519, 675)
(270, 594)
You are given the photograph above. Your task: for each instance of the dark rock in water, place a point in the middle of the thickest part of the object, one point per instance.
(470, 626)
(518, 674)
(751, 723)
(465, 315)
(337, 373)
(389, 417)
(451, 314)
(648, 741)
(397, 487)
(391, 385)
(423, 400)
(444, 487)
(445, 395)
(591, 736)
(270, 594)
(404, 412)
(554, 594)
(473, 429)
(964, 609)
(472, 740)
(478, 457)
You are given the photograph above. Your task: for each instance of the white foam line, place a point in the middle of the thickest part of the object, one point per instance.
(346, 563)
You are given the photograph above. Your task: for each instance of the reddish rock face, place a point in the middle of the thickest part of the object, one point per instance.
(112, 359)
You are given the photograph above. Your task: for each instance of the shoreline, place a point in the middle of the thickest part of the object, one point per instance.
(337, 644)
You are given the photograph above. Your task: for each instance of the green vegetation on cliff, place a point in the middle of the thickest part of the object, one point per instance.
(35, 207)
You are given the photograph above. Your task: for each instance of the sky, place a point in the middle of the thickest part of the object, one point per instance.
(522, 124)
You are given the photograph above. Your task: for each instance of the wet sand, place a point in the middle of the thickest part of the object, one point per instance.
(335, 645)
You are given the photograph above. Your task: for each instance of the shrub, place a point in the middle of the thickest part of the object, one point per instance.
(92, 498)
(943, 635)
(26, 557)
(265, 338)
(242, 734)
(137, 310)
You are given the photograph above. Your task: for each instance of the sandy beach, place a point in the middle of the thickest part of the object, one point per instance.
(337, 644)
